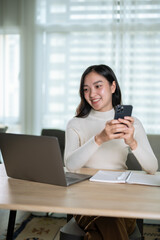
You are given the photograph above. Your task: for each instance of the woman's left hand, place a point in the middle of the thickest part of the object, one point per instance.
(129, 132)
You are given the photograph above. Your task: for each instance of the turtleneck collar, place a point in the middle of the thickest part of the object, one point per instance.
(101, 115)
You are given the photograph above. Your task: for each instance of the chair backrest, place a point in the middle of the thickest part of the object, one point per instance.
(132, 162)
(155, 144)
(60, 134)
(3, 129)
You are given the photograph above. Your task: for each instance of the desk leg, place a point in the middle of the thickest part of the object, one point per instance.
(11, 223)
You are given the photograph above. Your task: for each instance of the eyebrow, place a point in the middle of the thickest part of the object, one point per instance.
(85, 85)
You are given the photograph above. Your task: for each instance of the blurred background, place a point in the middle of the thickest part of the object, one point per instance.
(45, 45)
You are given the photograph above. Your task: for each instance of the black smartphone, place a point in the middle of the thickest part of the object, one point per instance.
(123, 110)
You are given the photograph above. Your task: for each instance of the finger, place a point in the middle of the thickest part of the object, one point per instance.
(118, 135)
(119, 128)
(131, 119)
(110, 124)
(114, 121)
(126, 122)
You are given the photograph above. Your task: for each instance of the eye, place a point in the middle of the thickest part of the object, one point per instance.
(85, 89)
(98, 86)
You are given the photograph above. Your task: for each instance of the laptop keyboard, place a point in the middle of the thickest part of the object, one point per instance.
(72, 176)
(75, 177)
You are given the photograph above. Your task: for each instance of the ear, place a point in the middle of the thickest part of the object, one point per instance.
(113, 87)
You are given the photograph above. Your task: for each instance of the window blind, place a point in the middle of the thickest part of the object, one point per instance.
(10, 64)
(122, 34)
(9, 81)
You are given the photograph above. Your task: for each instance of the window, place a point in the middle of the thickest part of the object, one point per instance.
(57, 40)
(10, 65)
(9, 81)
(122, 34)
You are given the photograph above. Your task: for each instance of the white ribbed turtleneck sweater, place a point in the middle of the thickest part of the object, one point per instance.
(81, 150)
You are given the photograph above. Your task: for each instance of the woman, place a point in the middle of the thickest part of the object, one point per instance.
(95, 140)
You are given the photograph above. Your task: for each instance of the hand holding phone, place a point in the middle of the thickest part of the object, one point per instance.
(122, 111)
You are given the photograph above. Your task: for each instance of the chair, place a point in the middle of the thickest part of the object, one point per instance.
(60, 134)
(71, 231)
(3, 129)
(154, 141)
(132, 162)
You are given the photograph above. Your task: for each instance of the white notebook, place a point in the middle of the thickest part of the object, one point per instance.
(131, 177)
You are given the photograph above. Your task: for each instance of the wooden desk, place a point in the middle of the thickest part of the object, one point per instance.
(86, 198)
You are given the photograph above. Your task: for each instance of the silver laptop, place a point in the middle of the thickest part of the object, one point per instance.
(36, 158)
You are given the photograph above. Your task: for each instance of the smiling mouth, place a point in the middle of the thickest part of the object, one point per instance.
(94, 101)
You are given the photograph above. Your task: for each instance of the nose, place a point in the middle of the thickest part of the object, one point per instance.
(92, 93)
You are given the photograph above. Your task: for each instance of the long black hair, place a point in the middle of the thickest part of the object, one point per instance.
(84, 108)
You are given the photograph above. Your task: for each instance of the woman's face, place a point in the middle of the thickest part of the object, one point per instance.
(98, 92)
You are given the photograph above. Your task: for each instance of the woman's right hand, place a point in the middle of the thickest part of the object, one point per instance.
(113, 130)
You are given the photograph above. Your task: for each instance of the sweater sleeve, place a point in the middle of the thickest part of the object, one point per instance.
(76, 156)
(144, 152)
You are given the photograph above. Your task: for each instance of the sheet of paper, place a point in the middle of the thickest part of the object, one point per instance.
(144, 178)
(110, 176)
